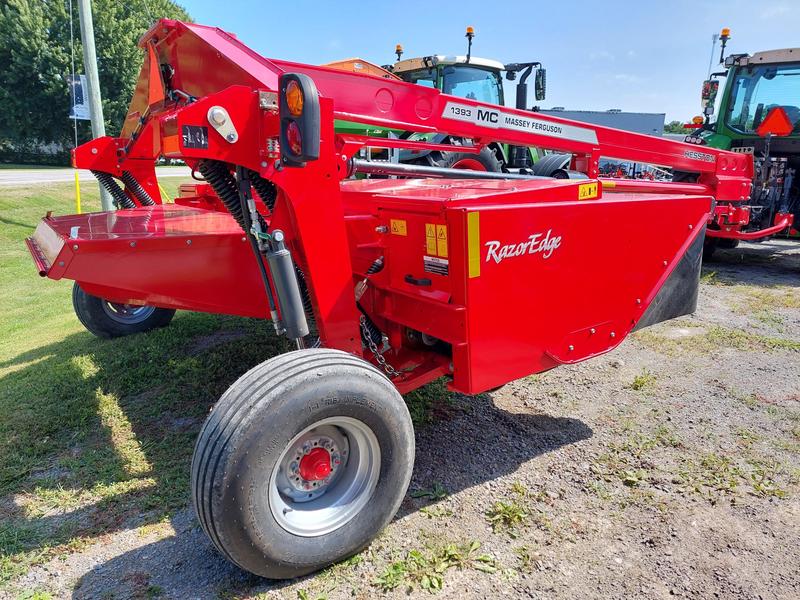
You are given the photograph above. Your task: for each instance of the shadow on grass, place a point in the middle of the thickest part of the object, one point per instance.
(96, 436)
(463, 442)
(772, 262)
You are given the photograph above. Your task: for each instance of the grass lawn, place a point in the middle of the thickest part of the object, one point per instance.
(97, 435)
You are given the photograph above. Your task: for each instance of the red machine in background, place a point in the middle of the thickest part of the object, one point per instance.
(384, 283)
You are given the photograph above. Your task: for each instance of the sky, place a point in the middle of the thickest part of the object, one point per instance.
(634, 56)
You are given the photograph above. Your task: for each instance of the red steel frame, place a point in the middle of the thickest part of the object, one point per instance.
(334, 226)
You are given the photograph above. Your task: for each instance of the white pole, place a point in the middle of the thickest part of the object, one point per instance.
(93, 82)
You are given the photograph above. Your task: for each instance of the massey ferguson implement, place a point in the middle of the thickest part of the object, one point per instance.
(384, 284)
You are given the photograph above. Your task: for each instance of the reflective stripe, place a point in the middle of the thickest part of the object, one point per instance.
(474, 244)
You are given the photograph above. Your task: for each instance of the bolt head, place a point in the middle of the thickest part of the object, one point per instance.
(75, 246)
(571, 347)
(231, 137)
(94, 150)
(133, 244)
(592, 331)
(188, 242)
(613, 335)
(217, 115)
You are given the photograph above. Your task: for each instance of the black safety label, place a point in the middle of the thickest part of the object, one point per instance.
(434, 264)
(195, 136)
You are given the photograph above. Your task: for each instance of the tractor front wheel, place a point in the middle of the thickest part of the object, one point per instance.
(112, 319)
(302, 462)
(485, 160)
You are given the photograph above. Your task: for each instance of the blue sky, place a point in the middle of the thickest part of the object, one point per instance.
(637, 56)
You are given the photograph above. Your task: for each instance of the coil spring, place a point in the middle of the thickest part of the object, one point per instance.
(265, 189)
(121, 199)
(136, 189)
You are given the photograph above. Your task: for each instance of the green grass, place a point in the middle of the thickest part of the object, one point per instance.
(95, 433)
(425, 569)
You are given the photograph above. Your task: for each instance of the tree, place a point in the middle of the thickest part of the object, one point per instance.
(675, 127)
(35, 54)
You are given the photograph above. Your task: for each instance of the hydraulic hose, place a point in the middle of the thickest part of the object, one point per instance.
(121, 199)
(136, 189)
(218, 175)
(224, 184)
(265, 189)
(374, 333)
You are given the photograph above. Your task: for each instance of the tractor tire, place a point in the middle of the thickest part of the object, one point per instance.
(710, 246)
(684, 177)
(302, 462)
(109, 319)
(485, 160)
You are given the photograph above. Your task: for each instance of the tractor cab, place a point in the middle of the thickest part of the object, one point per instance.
(758, 113)
(468, 76)
(474, 78)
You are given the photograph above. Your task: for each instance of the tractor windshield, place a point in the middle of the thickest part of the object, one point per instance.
(473, 83)
(758, 89)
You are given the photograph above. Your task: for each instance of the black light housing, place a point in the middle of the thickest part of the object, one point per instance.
(307, 122)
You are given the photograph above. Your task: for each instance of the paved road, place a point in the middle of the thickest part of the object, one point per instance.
(38, 176)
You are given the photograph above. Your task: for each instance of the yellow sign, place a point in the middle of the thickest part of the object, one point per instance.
(586, 191)
(441, 240)
(398, 226)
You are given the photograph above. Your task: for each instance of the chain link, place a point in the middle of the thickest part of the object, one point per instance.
(373, 347)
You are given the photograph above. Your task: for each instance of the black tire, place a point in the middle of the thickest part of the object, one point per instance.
(101, 319)
(684, 177)
(710, 246)
(248, 434)
(486, 158)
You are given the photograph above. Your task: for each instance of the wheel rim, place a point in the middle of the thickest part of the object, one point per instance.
(472, 164)
(330, 497)
(127, 314)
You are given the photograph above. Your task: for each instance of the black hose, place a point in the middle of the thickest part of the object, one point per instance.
(265, 189)
(224, 184)
(121, 199)
(376, 267)
(136, 189)
(374, 333)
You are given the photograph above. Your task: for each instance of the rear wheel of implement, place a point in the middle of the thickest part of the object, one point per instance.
(302, 462)
(485, 160)
(112, 319)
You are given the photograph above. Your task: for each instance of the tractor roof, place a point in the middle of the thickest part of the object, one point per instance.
(413, 64)
(783, 55)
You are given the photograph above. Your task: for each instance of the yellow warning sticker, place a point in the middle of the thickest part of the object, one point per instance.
(441, 240)
(430, 230)
(430, 245)
(587, 191)
(398, 226)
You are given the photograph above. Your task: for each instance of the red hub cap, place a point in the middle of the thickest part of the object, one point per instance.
(315, 465)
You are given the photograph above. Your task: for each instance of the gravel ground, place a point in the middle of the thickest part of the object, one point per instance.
(670, 467)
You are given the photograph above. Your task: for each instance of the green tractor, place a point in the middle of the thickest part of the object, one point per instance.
(757, 112)
(464, 76)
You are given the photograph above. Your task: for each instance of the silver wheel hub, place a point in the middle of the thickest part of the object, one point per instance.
(129, 314)
(324, 477)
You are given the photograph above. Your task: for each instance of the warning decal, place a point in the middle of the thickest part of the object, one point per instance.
(398, 226)
(587, 191)
(436, 239)
(439, 266)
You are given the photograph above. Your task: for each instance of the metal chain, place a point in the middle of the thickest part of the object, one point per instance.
(373, 347)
